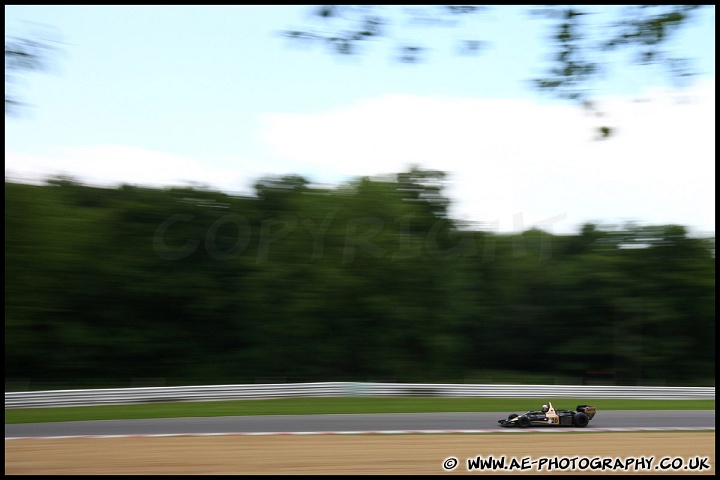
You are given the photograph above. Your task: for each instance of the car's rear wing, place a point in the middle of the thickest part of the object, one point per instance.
(587, 410)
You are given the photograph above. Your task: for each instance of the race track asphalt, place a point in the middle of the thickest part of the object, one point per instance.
(617, 420)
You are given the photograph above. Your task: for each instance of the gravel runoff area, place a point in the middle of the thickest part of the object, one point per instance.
(418, 454)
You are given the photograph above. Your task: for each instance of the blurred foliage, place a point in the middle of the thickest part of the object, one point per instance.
(578, 43)
(32, 53)
(368, 281)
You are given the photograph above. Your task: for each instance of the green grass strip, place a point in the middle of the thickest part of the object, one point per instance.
(311, 406)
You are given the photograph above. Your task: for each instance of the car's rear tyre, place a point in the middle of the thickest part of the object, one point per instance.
(524, 422)
(580, 420)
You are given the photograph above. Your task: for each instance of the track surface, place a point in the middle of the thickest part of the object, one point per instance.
(352, 423)
(287, 445)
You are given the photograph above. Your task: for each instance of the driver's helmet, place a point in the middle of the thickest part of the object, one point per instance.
(545, 408)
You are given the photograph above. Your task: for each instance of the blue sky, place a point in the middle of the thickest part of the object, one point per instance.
(214, 95)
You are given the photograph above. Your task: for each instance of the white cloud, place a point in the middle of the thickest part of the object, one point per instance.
(512, 163)
(517, 163)
(112, 165)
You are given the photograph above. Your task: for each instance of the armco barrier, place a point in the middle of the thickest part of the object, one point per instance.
(124, 396)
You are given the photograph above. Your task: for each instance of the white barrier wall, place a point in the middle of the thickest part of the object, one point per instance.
(124, 396)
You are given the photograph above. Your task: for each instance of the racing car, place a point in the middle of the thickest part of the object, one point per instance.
(550, 417)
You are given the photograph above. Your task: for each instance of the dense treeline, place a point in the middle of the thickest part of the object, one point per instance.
(368, 281)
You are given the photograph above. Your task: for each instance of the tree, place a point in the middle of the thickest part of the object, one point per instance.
(365, 282)
(575, 66)
(23, 55)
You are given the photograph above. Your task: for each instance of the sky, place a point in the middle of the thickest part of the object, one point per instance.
(215, 96)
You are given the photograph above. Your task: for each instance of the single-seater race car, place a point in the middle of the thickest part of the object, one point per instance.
(550, 417)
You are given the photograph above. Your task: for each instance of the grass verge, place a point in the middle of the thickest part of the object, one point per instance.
(312, 406)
